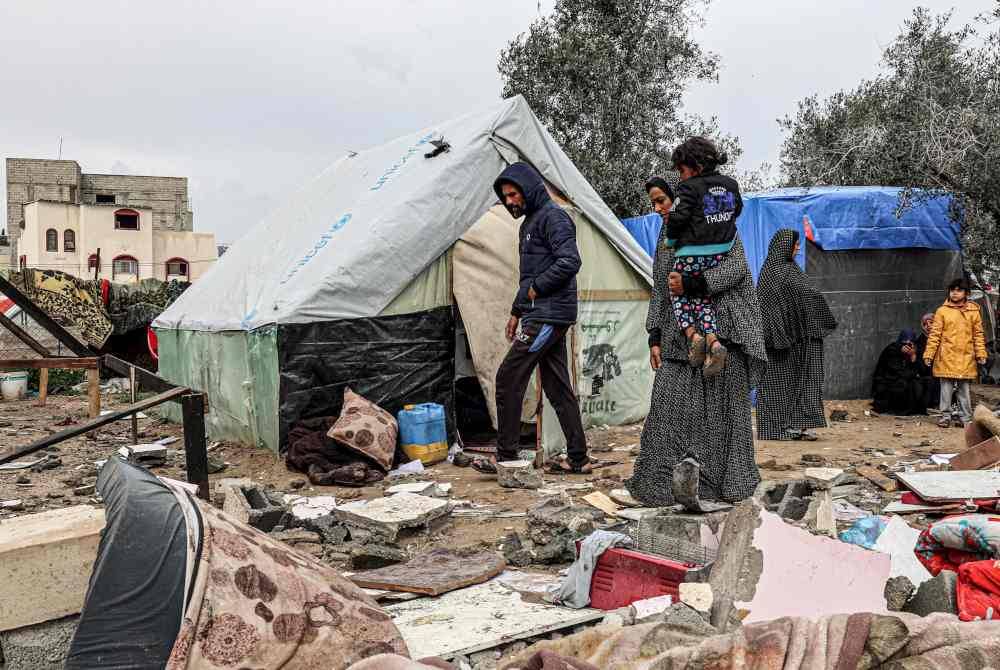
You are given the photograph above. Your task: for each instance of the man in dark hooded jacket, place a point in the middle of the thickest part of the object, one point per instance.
(545, 308)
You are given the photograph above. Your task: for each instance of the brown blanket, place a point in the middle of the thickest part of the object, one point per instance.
(257, 603)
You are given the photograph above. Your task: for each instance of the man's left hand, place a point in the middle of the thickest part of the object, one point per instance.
(532, 293)
(676, 283)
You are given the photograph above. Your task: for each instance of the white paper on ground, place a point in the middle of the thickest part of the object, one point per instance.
(942, 459)
(411, 468)
(898, 540)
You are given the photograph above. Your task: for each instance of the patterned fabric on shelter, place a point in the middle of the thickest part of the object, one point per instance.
(709, 419)
(72, 302)
(796, 319)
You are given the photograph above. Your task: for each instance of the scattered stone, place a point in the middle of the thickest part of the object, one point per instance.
(518, 475)
(824, 478)
(220, 487)
(309, 508)
(461, 460)
(840, 415)
(613, 619)
(484, 660)
(431, 489)
(816, 460)
(387, 516)
(683, 616)
(215, 466)
(820, 516)
(303, 540)
(554, 527)
(251, 506)
(23, 479)
(898, 591)
(651, 608)
(43, 646)
(87, 490)
(935, 595)
(56, 495)
(297, 484)
(790, 500)
(375, 556)
(12, 505)
(697, 596)
(72, 481)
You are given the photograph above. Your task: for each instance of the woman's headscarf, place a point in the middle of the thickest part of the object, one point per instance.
(906, 335)
(792, 309)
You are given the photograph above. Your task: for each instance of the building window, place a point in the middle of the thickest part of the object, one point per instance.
(124, 265)
(92, 262)
(69, 240)
(178, 267)
(51, 240)
(105, 198)
(126, 219)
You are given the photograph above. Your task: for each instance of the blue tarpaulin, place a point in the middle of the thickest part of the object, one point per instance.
(840, 218)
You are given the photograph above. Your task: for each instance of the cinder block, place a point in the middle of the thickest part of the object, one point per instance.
(45, 564)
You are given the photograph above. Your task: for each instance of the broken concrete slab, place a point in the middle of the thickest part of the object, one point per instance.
(387, 516)
(518, 475)
(683, 616)
(820, 516)
(686, 486)
(221, 486)
(433, 573)
(430, 489)
(898, 591)
(43, 646)
(45, 564)
(554, 527)
(649, 608)
(937, 594)
(824, 478)
(137, 453)
(697, 596)
(691, 538)
(309, 508)
(251, 506)
(375, 556)
(477, 618)
(765, 565)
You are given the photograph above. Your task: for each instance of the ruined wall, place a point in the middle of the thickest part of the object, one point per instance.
(30, 179)
(166, 196)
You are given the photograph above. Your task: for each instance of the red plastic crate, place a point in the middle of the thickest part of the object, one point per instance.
(624, 576)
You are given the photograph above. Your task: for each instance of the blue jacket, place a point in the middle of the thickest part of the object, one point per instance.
(549, 257)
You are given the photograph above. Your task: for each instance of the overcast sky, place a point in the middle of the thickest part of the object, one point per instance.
(250, 98)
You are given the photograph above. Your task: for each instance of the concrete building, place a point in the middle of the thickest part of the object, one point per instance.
(111, 242)
(142, 224)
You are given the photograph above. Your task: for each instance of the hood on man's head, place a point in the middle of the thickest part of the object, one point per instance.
(782, 245)
(528, 181)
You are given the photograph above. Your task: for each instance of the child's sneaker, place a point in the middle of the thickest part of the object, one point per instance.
(716, 360)
(696, 350)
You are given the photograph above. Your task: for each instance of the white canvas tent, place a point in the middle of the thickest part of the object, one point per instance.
(355, 281)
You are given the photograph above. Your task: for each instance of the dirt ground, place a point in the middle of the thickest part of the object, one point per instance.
(865, 439)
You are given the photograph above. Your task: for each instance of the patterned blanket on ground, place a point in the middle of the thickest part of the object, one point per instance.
(79, 304)
(257, 604)
(842, 642)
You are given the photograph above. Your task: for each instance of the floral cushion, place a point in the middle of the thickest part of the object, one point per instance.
(367, 429)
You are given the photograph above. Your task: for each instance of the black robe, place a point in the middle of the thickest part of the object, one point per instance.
(897, 386)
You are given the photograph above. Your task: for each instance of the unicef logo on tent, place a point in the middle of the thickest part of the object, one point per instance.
(323, 240)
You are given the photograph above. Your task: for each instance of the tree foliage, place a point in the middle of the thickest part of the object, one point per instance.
(929, 120)
(607, 78)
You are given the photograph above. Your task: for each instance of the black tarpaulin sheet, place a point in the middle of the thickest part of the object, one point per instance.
(874, 293)
(136, 597)
(390, 360)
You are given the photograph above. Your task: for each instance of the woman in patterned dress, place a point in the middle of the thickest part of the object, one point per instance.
(691, 416)
(797, 319)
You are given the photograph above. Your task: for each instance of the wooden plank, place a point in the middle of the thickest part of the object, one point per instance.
(626, 295)
(877, 478)
(43, 386)
(433, 573)
(195, 448)
(66, 363)
(83, 428)
(94, 392)
(983, 455)
(42, 318)
(23, 335)
(953, 486)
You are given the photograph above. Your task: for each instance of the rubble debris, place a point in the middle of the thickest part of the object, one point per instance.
(388, 516)
(431, 489)
(651, 608)
(477, 618)
(411, 468)
(898, 540)
(249, 505)
(824, 478)
(938, 594)
(434, 573)
(518, 475)
(603, 503)
(814, 460)
(45, 564)
(87, 490)
(898, 591)
(461, 460)
(309, 508)
(691, 538)
(306, 541)
(820, 516)
(533, 586)
(376, 556)
(297, 484)
(624, 498)
(148, 455)
(22, 465)
(12, 505)
(696, 595)
(765, 564)
(953, 486)
(43, 646)
(680, 615)
(846, 512)
(876, 478)
(220, 487)
(23, 480)
(790, 500)
(840, 415)
(687, 483)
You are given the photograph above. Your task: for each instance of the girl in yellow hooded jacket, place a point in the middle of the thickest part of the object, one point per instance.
(954, 348)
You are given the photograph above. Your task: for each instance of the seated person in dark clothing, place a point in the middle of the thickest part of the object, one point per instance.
(932, 387)
(897, 387)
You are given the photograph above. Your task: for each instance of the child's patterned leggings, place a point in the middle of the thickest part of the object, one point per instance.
(697, 311)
